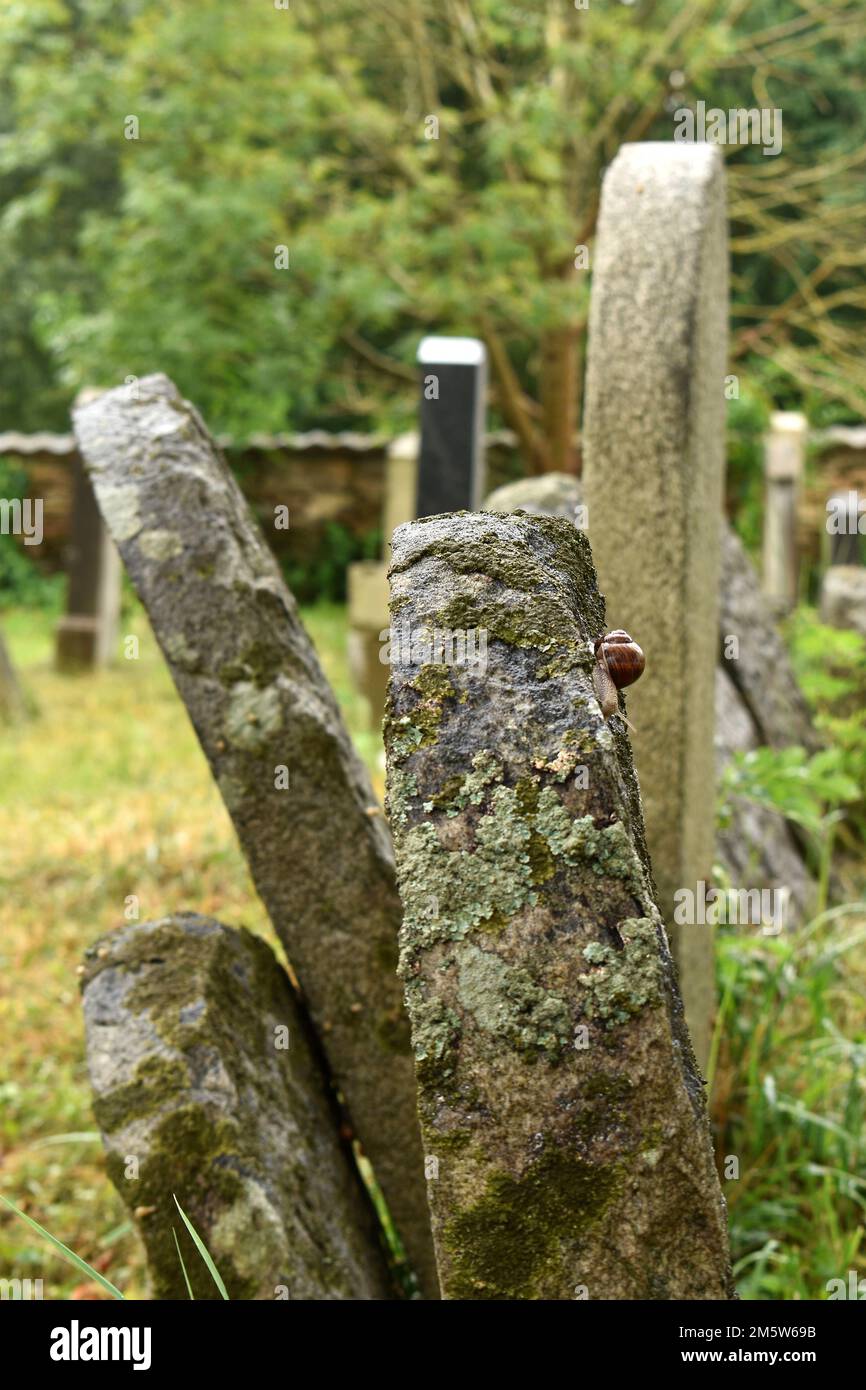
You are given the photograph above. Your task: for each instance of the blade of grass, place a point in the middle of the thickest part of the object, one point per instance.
(182, 1265)
(64, 1250)
(202, 1250)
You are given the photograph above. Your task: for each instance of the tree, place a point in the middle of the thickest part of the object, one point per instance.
(433, 165)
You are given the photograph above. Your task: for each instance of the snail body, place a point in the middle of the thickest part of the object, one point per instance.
(619, 662)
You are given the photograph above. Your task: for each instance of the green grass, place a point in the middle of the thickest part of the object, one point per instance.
(106, 794)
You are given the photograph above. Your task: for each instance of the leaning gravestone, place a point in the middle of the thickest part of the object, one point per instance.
(206, 1089)
(300, 798)
(654, 448)
(562, 1112)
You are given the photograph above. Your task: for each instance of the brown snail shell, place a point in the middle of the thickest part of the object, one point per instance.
(619, 661)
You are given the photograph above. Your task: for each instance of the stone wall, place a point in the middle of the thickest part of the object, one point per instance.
(322, 478)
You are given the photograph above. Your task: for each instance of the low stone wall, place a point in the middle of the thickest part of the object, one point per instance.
(325, 480)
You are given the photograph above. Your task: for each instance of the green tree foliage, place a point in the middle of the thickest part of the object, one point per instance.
(431, 165)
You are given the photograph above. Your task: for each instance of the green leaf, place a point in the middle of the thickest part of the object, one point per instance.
(64, 1250)
(202, 1250)
(182, 1265)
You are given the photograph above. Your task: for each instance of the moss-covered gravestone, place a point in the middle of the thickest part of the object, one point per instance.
(300, 798)
(563, 1117)
(205, 1088)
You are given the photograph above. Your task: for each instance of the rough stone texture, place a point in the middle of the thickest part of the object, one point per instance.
(762, 671)
(551, 494)
(654, 461)
(558, 1092)
(13, 702)
(183, 1020)
(320, 852)
(757, 848)
(843, 597)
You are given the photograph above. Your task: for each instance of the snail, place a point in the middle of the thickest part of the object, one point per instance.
(619, 661)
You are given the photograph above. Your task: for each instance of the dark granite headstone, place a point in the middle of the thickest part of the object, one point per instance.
(451, 464)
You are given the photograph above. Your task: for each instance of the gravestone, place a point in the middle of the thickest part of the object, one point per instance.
(654, 460)
(206, 1088)
(319, 850)
(562, 1112)
(453, 392)
(87, 634)
(784, 460)
(368, 579)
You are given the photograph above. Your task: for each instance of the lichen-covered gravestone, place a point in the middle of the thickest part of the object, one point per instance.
(206, 1088)
(300, 798)
(563, 1116)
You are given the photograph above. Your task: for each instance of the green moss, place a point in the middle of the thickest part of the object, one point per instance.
(259, 663)
(503, 1245)
(495, 879)
(155, 1079)
(505, 1001)
(620, 984)
(435, 1031)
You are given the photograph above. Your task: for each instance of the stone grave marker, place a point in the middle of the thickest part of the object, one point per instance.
(206, 1087)
(453, 404)
(562, 1112)
(784, 460)
(654, 460)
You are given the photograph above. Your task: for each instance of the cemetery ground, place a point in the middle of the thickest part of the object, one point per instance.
(107, 795)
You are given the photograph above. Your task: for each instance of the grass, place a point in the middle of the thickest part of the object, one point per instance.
(107, 795)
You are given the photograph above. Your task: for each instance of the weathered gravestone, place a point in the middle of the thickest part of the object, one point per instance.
(654, 460)
(784, 461)
(13, 701)
(206, 1089)
(562, 1112)
(87, 634)
(368, 579)
(301, 801)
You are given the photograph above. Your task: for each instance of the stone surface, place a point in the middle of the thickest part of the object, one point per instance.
(320, 852)
(550, 494)
(757, 848)
(843, 597)
(451, 465)
(562, 1112)
(205, 1088)
(654, 460)
(761, 670)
